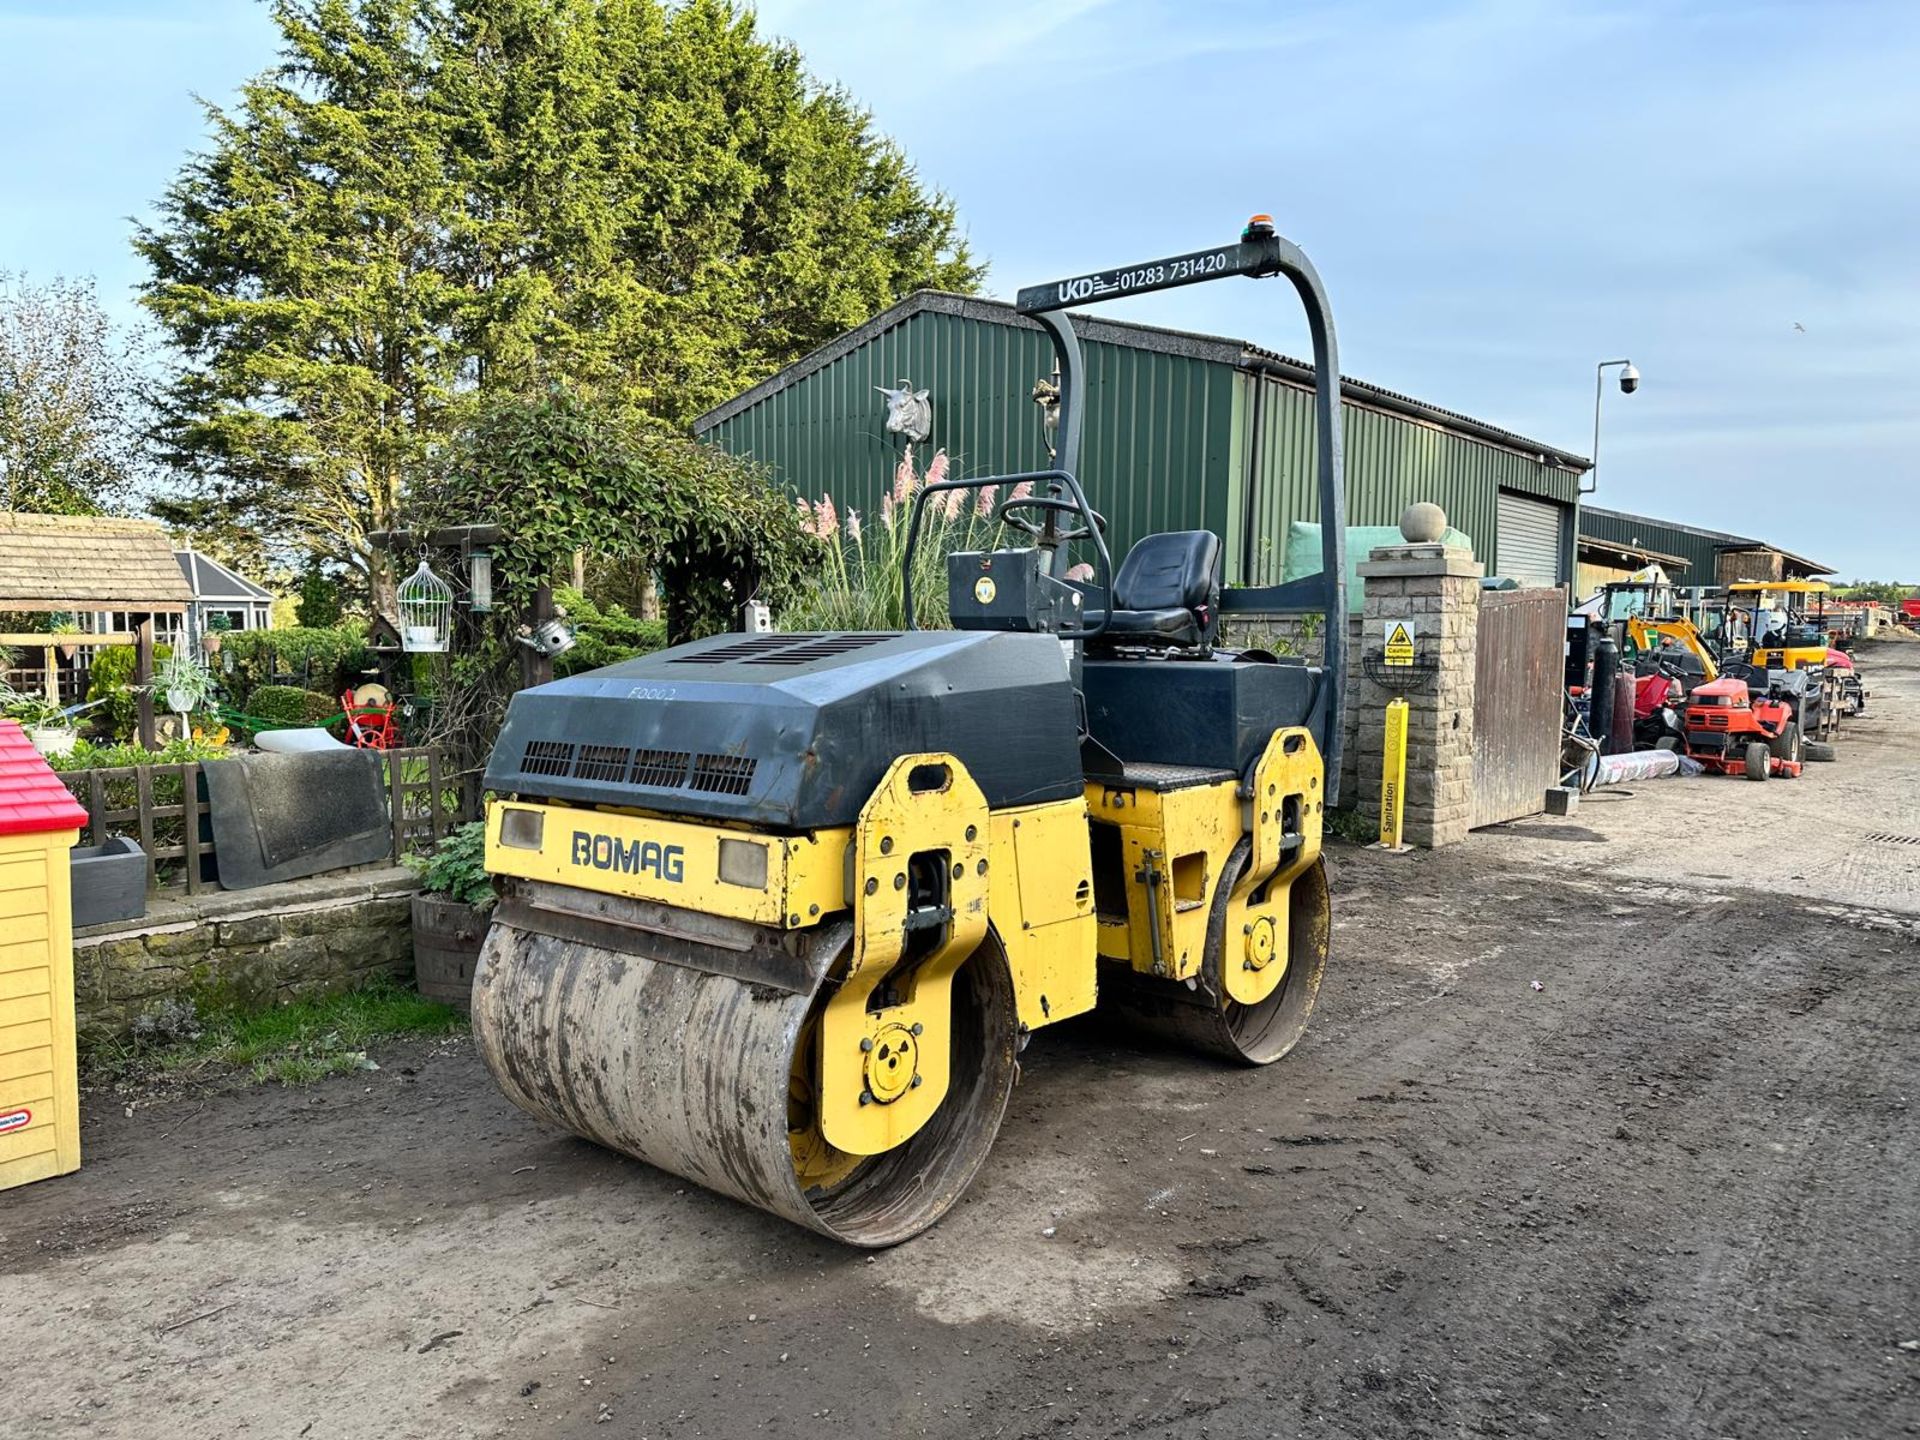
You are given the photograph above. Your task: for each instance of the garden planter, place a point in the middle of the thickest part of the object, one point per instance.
(446, 946)
(53, 739)
(109, 881)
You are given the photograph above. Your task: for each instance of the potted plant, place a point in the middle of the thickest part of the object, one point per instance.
(213, 636)
(450, 913)
(65, 624)
(186, 684)
(46, 724)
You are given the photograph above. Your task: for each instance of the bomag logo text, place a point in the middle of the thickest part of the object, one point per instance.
(630, 857)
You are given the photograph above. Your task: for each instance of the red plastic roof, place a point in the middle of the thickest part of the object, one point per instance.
(32, 798)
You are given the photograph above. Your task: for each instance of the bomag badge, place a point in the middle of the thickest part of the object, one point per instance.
(984, 590)
(629, 857)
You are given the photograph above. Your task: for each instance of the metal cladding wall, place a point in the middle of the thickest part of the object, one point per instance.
(1171, 439)
(1699, 550)
(1158, 450)
(1391, 462)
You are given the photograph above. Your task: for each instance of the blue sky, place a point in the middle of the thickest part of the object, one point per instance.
(1497, 194)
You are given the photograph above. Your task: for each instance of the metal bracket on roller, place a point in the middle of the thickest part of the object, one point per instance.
(1283, 801)
(920, 909)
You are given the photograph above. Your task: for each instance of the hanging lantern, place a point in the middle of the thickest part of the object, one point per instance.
(480, 582)
(426, 612)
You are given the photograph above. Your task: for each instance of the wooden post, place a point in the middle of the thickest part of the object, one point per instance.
(143, 804)
(190, 823)
(436, 810)
(143, 677)
(537, 669)
(396, 791)
(50, 677)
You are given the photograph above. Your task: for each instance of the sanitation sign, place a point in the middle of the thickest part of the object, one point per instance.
(1399, 647)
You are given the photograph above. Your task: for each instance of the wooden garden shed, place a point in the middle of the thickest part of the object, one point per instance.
(83, 565)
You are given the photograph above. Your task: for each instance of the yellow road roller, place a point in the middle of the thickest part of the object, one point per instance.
(779, 911)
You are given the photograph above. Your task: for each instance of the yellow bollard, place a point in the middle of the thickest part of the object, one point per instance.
(1393, 777)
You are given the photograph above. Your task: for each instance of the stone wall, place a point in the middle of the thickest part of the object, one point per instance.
(247, 948)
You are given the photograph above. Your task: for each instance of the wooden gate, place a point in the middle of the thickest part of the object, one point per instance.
(1519, 672)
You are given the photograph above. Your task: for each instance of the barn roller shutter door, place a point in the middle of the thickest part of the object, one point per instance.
(1529, 539)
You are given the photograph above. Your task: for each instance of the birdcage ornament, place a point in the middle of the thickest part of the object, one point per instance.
(426, 612)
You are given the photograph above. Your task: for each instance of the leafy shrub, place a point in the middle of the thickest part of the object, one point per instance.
(87, 756)
(564, 471)
(111, 679)
(603, 635)
(290, 705)
(457, 867)
(314, 656)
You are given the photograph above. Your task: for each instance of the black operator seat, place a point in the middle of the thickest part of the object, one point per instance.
(1167, 591)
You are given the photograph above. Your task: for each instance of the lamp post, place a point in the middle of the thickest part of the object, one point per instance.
(1629, 382)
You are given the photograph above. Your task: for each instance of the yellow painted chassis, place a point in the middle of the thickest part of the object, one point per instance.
(1025, 872)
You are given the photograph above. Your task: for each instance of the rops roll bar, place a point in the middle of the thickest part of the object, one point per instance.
(1259, 253)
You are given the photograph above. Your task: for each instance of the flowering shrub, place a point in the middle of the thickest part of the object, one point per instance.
(860, 586)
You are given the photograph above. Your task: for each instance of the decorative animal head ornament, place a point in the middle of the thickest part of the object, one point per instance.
(909, 411)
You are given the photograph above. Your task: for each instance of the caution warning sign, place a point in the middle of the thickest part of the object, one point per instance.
(1399, 647)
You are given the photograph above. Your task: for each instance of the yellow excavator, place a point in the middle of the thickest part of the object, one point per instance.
(1647, 605)
(779, 911)
(1785, 621)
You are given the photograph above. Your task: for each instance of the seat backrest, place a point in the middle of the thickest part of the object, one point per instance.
(1170, 571)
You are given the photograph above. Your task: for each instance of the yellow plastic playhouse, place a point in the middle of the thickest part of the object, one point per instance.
(39, 1087)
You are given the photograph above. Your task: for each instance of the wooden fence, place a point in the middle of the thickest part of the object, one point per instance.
(162, 807)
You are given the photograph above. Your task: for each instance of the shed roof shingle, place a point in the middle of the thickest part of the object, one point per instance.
(87, 562)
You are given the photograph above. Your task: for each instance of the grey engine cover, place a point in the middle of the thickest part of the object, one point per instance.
(794, 731)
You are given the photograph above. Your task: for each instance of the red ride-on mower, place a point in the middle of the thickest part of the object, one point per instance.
(1730, 732)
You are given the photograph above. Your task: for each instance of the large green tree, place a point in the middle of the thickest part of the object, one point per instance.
(298, 266)
(430, 198)
(70, 401)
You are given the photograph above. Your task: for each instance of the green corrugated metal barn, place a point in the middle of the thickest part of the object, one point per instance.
(1182, 432)
(1613, 543)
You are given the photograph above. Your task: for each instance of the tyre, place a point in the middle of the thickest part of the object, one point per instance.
(1666, 742)
(1818, 750)
(1205, 1019)
(1786, 745)
(1759, 761)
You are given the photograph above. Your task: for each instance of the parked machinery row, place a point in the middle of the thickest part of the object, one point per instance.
(1745, 681)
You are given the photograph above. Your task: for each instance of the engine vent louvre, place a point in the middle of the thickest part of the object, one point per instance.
(661, 769)
(822, 647)
(723, 774)
(740, 650)
(602, 762)
(547, 757)
(786, 649)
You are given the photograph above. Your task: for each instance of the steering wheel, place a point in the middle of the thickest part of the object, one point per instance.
(1047, 504)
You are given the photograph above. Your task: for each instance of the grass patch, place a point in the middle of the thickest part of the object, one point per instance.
(293, 1044)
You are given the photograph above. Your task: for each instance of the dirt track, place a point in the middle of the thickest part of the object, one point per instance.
(1671, 1193)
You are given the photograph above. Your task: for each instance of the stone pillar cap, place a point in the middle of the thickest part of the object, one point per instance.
(1389, 561)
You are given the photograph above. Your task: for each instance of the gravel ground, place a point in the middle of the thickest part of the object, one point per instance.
(1670, 1192)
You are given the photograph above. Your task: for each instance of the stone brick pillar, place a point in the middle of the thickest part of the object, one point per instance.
(1436, 591)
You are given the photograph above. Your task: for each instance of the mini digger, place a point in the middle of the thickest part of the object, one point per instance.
(779, 911)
